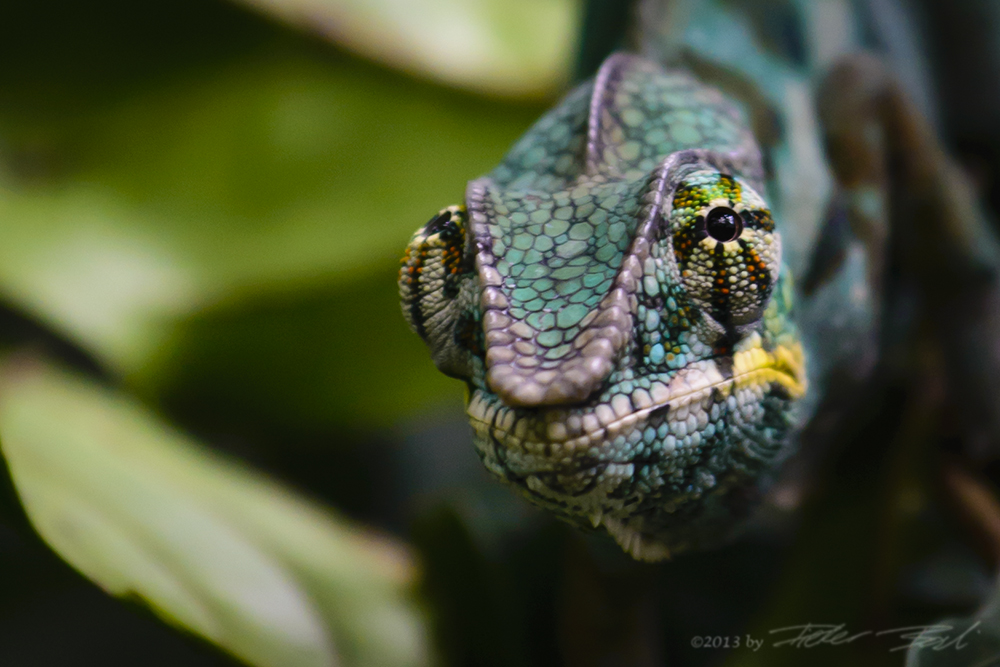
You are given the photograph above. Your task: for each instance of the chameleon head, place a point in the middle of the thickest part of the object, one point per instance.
(624, 332)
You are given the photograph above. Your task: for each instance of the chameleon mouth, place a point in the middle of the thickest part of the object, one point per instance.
(685, 399)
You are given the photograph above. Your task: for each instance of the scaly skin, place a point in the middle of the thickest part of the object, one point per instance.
(613, 296)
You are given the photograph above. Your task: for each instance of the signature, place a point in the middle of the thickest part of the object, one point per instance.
(818, 634)
(937, 637)
(930, 637)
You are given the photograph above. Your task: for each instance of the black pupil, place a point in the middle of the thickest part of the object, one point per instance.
(723, 224)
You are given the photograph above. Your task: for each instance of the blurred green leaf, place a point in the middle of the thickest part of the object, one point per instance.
(288, 168)
(211, 546)
(506, 47)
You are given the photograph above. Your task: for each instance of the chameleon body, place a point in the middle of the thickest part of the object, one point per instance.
(617, 294)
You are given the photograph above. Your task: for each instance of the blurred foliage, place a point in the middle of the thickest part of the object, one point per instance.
(507, 47)
(277, 167)
(208, 544)
(209, 208)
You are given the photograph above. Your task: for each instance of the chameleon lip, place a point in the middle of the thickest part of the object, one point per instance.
(692, 384)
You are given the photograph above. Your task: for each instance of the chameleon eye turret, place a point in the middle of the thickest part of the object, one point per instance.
(437, 288)
(726, 248)
(613, 298)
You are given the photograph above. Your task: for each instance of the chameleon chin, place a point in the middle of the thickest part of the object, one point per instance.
(614, 298)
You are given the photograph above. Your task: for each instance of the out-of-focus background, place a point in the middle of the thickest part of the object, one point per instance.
(211, 407)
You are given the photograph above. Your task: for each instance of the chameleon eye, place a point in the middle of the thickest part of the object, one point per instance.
(728, 259)
(723, 224)
(436, 282)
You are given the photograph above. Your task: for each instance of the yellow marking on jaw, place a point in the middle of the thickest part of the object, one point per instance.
(784, 366)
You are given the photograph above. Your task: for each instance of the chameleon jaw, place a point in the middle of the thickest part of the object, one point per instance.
(755, 366)
(578, 460)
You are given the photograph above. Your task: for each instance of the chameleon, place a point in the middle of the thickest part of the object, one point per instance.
(619, 294)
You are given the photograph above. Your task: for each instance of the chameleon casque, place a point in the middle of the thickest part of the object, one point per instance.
(618, 293)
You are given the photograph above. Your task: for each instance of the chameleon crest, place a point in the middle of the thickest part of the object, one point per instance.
(612, 295)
